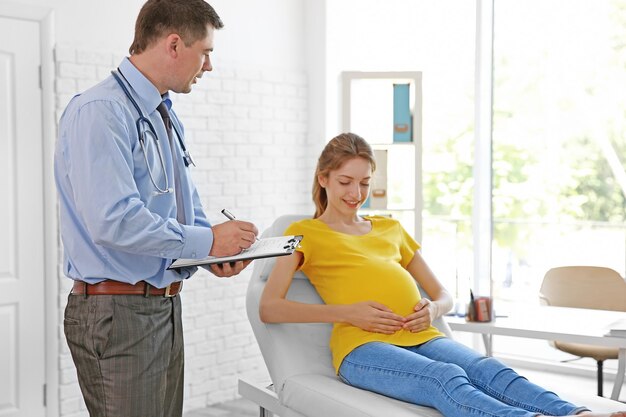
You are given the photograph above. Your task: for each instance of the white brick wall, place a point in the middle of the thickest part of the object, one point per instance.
(247, 132)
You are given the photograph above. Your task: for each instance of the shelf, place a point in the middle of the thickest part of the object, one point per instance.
(369, 109)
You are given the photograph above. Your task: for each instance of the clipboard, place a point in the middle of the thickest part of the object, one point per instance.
(262, 248)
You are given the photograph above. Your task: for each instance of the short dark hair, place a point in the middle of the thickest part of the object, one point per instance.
(187, 18)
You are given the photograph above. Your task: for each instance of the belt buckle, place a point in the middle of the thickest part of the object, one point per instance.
(167, 292)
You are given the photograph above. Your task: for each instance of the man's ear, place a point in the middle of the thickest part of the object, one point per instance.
(173, 43)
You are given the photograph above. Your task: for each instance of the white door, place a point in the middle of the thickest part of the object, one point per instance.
(22, 333)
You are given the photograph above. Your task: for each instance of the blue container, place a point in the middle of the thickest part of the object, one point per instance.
(402, 123)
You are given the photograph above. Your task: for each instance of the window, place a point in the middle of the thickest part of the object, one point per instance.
(559, 142)
(559, 133)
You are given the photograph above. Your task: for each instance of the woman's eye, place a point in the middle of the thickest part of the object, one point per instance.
(365, 185)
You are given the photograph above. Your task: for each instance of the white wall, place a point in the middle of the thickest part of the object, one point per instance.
(247, 128)
(264, 34)
(436, 38)
(316, 47)
(261, 34)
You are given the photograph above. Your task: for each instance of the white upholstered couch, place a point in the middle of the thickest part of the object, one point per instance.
(299, 362)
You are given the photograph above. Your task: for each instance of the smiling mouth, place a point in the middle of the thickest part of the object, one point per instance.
(352, 202)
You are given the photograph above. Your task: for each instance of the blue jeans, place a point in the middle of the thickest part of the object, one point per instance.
(450, 377)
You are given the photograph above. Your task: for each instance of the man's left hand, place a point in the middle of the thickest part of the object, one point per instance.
(228, 269)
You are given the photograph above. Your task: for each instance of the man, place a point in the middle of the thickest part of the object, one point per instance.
(128, 207)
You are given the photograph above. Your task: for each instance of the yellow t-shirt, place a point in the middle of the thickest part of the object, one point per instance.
(346, 269)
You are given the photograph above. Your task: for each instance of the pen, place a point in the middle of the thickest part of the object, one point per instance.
(231, 217)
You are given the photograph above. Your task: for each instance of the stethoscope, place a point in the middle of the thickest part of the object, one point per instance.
(145, 129)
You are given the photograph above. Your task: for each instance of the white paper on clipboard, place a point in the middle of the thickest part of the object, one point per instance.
(262, 248)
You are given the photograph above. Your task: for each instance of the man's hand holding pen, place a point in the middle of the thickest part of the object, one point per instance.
(230, 238)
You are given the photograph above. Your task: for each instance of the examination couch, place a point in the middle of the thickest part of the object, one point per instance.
(303, 381)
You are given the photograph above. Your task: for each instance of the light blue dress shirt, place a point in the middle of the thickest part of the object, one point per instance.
(114, 225)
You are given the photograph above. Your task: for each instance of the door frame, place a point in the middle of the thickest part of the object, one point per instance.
(44, 16)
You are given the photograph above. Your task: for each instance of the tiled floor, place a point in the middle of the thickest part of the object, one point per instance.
(561, 384)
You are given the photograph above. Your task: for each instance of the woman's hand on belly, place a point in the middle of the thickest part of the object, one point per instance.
(373, 317)
(422, 318)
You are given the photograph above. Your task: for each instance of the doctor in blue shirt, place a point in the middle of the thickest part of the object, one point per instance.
(128, 207)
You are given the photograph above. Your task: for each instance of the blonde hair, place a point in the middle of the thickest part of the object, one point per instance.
(340, 149)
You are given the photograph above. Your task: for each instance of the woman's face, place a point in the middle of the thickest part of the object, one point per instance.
(348, 186)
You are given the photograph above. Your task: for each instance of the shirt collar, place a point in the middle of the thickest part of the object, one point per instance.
(145, 92)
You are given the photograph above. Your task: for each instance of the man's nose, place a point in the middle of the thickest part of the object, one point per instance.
(207, 65)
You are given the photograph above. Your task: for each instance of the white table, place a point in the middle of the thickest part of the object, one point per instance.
(564, 324)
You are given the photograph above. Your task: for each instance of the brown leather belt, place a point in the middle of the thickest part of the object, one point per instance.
(110, 287)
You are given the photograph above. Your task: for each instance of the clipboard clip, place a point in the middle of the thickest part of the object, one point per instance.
(293, 243)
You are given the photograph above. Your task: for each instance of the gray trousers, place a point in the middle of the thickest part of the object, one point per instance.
(128, 351)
